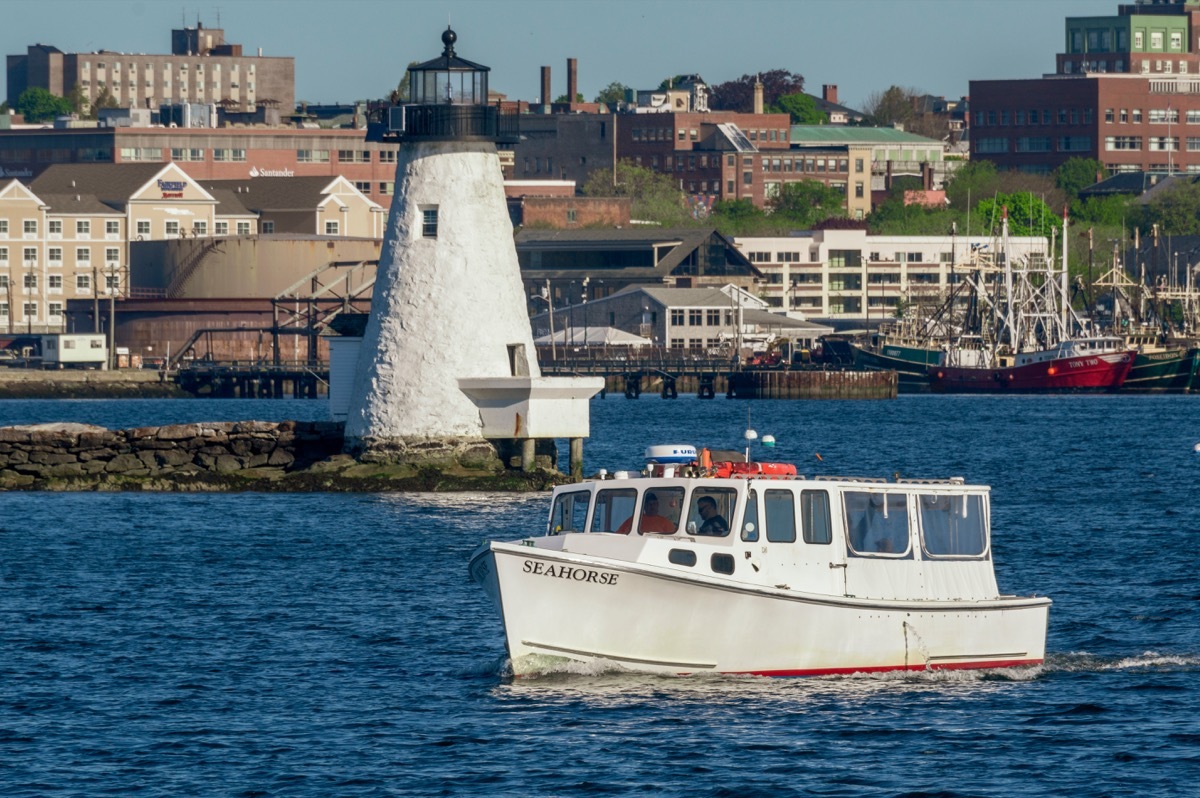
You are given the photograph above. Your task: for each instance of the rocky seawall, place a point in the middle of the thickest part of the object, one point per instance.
(124, 384)
(227, 456)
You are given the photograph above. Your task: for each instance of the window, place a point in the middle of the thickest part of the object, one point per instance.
(953, 526)
(4, 255)
(30, 282)
(695, 317)
(1137, 116)
(54, 282)
(143, 228)
(243, 228)
(429, 222)
(312, 156)
(779, 508)
(83, 282)
(1138, 41)
(1159, 116)
(677, 319)
(572, 216)
(1122, 143)
(1156, 40)
(387, 188)
(612, 508)
(814, 516)
(30, 227)
(112, 228)
(231, 155)
(83, 256)
(681, 557)
(331, 228)
(4, 227)
(876, 523)
(83, 228)
(354, 156)
(54, 227)
(569, 513)
(267, 227)
(30, 310)
(172, 228)
(387, 156)
(29, 255)
(758, 257)
(54, 255)
(221, 228)
(363, 185)
(994, 144)
(199, 228)
(186, 154)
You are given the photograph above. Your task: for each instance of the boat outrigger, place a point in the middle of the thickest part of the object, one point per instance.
(693, 566)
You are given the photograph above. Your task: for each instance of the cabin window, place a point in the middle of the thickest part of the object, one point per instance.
(780, 509)
(613, 506)
(682, 557)
(814, 516)
(876, 523)
(569, 513)
(710, 511)
(953, 526)
(750, 522)
(721, 563)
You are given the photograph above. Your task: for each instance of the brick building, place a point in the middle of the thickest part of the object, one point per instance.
(1126, 92)
(201, 68)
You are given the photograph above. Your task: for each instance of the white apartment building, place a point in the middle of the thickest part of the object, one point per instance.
(850, 275)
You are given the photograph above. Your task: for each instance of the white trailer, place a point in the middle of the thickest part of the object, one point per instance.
(74, 350)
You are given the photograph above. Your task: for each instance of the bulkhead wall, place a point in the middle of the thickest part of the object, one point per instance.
(448, 302)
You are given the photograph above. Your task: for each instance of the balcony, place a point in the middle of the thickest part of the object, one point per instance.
(446, 123)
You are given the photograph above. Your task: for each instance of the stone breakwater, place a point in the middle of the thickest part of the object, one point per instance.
(244, 455)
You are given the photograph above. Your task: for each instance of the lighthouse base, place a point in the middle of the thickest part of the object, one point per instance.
(475, 454)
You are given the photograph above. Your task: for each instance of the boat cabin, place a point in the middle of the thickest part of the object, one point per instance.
(902, 540)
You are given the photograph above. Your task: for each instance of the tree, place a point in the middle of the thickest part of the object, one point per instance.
(612, 94)
(1027, 215)
(562, 98)
(738, 95)
(738, 217)
(671, 82)
(104, 99)
(802, 108)
(1076, 174)
(78, 100)
(1175, 209)
(803, 203)
(655, 197)
(889, 107)
(400, 94)
(38, 105)
(972, 182)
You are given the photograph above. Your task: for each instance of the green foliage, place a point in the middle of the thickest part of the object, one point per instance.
(671, 82)
(738, 95)
(739, 217)
(971, 183)
(612, 93)
(78, 100)
(1076, 174)
(801, 107)
(1027, 215)
(4, 109)
(38, 105)
(893, 217)
(655, 197)
(803, 203)
(1111, 211)
(1176, 210)
(400, 94)
(562, 98)
(891, 106)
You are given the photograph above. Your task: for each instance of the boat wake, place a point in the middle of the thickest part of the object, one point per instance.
(1147, 661)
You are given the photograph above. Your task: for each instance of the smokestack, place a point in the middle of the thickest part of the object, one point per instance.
(572, 79)
(758, 95)
(829, 93)
(546, 98)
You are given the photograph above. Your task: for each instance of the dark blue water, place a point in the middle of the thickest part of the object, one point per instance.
(314, 645)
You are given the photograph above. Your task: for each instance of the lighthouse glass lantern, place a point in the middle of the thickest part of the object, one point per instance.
(448, 101)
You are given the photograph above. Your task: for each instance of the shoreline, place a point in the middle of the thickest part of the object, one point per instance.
(90, 384)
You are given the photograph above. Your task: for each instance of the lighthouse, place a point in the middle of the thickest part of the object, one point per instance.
(447, 368)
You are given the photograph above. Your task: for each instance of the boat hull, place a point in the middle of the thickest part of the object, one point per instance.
(1171, 371)
(910, 363)
(561, 607)
(1059, 375)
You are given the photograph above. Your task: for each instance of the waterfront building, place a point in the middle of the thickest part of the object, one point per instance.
(201, 68)
(564, 267)
(1125, 91)
(850, 277)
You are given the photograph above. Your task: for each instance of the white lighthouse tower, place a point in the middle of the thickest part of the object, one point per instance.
(448, 332)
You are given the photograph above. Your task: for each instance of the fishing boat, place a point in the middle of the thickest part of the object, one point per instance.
(1034, 341)
(895, 348)
(695, 566)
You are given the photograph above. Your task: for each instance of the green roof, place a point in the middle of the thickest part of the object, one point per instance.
(842, 134)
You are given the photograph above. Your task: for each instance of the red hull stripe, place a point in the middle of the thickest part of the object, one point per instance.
(949, 666)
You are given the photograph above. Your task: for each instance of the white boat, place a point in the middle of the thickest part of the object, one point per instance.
(812, 576)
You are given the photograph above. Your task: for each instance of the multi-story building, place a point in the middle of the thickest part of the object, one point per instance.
(850, 276)
(202, 68)
(69, 233)
(225, 153)
(1126, 92)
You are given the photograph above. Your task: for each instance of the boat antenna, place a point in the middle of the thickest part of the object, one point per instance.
(750, 435)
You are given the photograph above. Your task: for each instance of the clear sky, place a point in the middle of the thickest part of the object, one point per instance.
(348, 50)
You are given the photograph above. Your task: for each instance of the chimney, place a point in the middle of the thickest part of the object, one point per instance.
(572, 79)
(829, 93)
(758, 95)
(546, 98)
